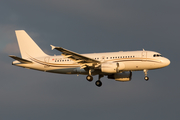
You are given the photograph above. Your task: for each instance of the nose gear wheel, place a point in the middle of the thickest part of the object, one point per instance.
(146, 78)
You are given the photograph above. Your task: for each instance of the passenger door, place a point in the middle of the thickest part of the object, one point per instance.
(144, 56)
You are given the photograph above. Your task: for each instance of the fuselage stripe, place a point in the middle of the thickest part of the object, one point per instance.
(76, 65)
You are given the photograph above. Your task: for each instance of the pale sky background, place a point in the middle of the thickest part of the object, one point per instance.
(88, 26)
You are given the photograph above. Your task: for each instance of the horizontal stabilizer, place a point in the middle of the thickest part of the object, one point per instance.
(52, 47)
(20, 59)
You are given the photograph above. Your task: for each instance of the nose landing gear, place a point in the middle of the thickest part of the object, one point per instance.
(145, 73)
(146, 78)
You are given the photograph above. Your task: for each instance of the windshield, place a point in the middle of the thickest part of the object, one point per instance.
(157, 55)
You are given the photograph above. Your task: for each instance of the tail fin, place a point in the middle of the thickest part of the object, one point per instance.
(27, 46)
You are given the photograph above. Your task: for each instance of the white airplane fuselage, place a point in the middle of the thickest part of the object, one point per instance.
(132, 60)
(115, 65)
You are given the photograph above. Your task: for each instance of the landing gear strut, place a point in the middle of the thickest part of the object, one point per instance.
(89, 77)
(145, 73)
(98, 82)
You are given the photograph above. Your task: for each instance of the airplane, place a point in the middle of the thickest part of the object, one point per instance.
(115, 65)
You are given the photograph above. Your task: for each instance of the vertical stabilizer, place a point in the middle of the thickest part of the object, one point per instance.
(27, 46)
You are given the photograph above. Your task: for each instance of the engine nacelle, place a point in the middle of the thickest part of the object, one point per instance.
(124, 76)
(112, 67)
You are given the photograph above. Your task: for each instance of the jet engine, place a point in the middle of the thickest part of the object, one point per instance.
(112, 67)
(123, 77)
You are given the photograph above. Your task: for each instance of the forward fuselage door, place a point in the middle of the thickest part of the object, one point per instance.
(144, 56)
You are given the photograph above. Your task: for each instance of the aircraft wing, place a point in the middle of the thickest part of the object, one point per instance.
(20, 59)
(80, 59)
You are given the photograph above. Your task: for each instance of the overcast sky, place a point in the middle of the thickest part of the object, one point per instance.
(88, 26)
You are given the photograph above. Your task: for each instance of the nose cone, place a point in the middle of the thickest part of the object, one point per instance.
(166, 62)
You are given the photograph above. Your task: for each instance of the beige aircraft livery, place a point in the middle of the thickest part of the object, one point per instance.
(115, 65)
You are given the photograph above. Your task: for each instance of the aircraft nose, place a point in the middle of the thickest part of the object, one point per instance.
(166, 62)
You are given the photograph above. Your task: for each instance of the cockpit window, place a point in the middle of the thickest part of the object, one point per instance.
(157, 55)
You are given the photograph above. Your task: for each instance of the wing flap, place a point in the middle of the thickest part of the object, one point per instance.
(20, 59)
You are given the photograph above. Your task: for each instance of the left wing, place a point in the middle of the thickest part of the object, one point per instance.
(80, 59)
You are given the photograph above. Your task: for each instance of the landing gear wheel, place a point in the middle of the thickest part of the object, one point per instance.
(89, 78)
(146, 78)
(98, 83)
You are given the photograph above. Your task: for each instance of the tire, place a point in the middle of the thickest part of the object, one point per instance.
(89, 78)
(98, 83)
(146, 78)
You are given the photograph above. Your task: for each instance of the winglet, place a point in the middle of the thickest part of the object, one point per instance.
(52, 47)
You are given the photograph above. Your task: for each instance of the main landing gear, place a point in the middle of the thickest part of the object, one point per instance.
(90, 78)
(98, 82)
(145, 73)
